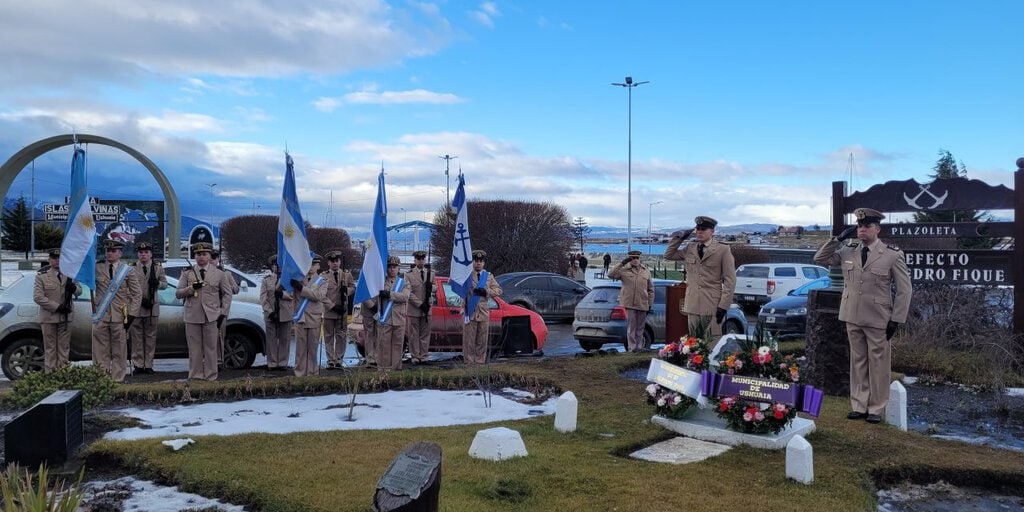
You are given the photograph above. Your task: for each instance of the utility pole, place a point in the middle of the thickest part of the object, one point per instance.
(629, 85)
(447, 182)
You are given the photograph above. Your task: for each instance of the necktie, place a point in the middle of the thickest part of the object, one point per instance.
(110, 270)
(423, 275)
(202, 274)
(864, 255)
(144, 271)
(700, 251)
(335, 277)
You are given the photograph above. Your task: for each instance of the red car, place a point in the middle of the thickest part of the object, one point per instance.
(514, 330)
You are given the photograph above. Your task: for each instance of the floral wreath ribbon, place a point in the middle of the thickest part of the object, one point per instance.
(806, 397)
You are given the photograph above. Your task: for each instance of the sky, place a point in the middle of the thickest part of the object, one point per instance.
(751, 111)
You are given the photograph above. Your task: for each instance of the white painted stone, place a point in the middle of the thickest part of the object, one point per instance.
(680, 450)
(497, 443)
(565, 412)
(800, 460)
(896, 409)
(704, 424)
(177, 444)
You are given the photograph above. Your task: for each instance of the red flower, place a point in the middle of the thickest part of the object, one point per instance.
(697, 359)
(779, 415)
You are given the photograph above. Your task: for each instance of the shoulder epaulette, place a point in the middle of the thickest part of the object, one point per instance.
(43, 270)
(893, 247)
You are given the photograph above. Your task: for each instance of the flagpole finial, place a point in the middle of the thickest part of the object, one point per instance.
(286, 146)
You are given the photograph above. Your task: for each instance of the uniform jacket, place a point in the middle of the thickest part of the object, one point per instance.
(285, 305)
(154, 274)
(637, 290)
(48, 292)
(418, 289)
(211, 301)
(334, 294)
(711, 281)
(313, 316)
(401, 299)
(128, 297)
(868, 299)
(483, 310)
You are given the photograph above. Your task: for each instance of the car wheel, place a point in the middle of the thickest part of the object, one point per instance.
(732, 327)
(239, 351)
(23, 356)
(590, 345)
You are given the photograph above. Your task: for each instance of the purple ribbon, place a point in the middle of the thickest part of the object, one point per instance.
(806, 397)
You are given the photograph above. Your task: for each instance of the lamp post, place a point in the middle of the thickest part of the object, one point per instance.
(650, 209)
(211, 185)
(629, 85)
(447, 183)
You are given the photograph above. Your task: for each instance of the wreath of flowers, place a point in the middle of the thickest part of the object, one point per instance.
(757, 358)
(691, 353)
(668, 403)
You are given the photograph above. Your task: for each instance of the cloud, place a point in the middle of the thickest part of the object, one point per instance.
(485, 14)
(367, 97)
(172, 121)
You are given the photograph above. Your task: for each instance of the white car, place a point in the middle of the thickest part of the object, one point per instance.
(761, 283)
(21, 340)
(249, 284)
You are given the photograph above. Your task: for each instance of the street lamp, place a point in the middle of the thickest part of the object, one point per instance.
(211, 185)
(447, 183)
(629, 85)
(650, 209)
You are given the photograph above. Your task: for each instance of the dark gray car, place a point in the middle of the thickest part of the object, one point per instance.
(551, 296)
(599, 319)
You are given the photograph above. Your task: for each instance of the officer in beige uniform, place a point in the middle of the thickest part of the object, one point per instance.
(109, 336)
(371, 330)
(476, 334)
(223, 328)
(307, 329)
(421, 283)
(636, 296)
(278, 309)
(206, 292)
(710, 275)
(870, 309)
(391, 333)
(143, 332)
(340, 287)
(55, 292)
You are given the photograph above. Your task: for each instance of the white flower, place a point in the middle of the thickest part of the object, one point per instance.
(759, 416)
(686, 350)
(661, 402)
(763, 351)
(652, 389)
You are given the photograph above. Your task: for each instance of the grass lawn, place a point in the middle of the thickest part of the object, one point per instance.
(583, 471)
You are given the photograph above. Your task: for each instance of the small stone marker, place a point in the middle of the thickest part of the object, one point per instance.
(680, 450)
(800, 460)
(413, 481)
(498, 443)
(896, 409)
(565, 412)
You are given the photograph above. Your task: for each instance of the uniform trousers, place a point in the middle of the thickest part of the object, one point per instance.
(56, 345)
(371, 332)
(870, 368)
(109, 348)
(144, 341)
(389, 346)
(279, 337)
(635, 319)
(475, 338)
(418, 328)
(334, 339)
(697, 323)
(202, 350)
(307, 349)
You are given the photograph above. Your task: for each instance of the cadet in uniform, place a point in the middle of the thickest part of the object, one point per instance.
(476, 333)
(222, 328)
(710, 275)
(421, 285)
(143, 332)
(371, 333)
(278, 309)
(871, 312)
(55, 292)
(109, 336)
(391, 334)
(206, 292)
(308, 328)
(637, 296)
(340, 287)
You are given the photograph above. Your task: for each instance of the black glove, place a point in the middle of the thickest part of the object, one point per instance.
(63, 309)
(720, 316)
(278, 293)
(425, 307)
(147, 303)
(890, 329)
(343, 289)
(274, 317)
(197, 285)
(128, 324)
(626, 261)
(683, 234)
(296, 285)
(480, 291)
(220, 321)
(385, 294)
(69, 285)
(847, 233)
(338, 308)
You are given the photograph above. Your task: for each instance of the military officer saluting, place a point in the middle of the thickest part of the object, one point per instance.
(869, 307)
(636, 296)
(55, 292)
(476, 333)
(417, 327)
(278, 309)
(143, 332)
(307, 328)
(340, 287)
(710, 275)
(116, 302)
(206, 292)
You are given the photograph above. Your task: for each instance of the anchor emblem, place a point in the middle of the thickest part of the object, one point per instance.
(460, 240)
(925, 189)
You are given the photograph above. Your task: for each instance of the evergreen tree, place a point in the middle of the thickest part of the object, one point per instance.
(947, 167)
(16, 225)
(580, 230)
(48, 236)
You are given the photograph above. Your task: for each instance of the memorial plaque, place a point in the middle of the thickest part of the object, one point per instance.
(759, 390)
(956, 266)
(674, 377)
(407, 475)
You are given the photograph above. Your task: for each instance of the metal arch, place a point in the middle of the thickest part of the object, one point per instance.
(412, 224)
(15, 164)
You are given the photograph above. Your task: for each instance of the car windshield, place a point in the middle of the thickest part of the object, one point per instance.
(752, 271)
(603, 295)
(804, 290)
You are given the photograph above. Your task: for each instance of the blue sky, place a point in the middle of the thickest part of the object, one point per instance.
(752, 110)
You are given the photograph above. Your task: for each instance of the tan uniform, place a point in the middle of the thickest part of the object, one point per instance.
(391, 334)
(710, 281)
(637, 297)
(417, 326)
(307, 329)
(277, 315)
(335, 322)
(143, 331)
(202, 309)
(867, 307)
(227, 311)
(371, 334)
(48, 292)
(476, 334)
(109, 338)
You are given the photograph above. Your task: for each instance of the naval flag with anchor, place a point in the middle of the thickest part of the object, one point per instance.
(462, 248)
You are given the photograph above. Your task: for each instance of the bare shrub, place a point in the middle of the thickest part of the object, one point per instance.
(744, 254)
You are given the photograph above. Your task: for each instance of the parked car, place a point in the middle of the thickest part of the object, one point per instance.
(249, 284)
(552, 296)
(787, 316)
(599, 319)
(513, 329)
(21, 340)
(761, 283)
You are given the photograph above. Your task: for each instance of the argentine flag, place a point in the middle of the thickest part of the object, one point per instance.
(462, 249)
(375, 260)
(293, 256)
(78, 249)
